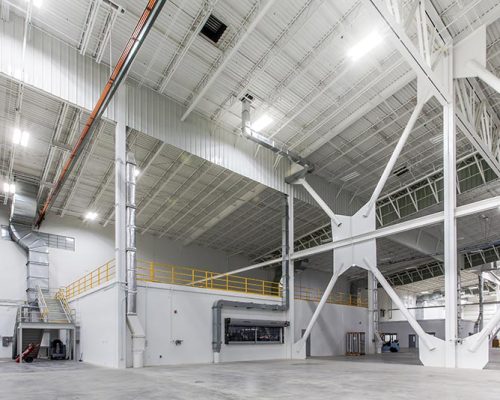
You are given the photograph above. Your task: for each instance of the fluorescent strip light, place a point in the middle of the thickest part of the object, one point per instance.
(16, 138)
(262, 123)
(91, 216)
(364, 46)
(20, 137)
(36, 3)
(24, 138)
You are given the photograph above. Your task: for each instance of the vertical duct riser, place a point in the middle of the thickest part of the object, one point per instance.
(135, 326)
(130, 238)
(23, 213)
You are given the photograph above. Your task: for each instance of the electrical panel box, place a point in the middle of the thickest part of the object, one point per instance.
(6, 341)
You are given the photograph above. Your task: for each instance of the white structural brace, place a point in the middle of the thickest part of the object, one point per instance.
(336, 273)
(424, 337)
(320, 201)
(394, 157)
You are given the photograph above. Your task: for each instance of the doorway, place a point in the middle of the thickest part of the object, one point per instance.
(412, 341)
(308, 344)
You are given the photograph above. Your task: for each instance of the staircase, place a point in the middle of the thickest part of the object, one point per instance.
(50, 312)
(56, 312)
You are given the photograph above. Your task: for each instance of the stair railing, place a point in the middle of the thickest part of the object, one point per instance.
(42, 304)
(65, 306)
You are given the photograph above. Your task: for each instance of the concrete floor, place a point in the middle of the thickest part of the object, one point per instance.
(310, 379)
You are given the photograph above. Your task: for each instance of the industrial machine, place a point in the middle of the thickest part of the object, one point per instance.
(57, 350)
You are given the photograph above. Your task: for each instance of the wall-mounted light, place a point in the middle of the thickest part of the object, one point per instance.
(261, 123)
(364, 46)
(137, 171)
(20, 137)
(91, 216)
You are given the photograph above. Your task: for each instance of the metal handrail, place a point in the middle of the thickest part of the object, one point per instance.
(65, 306)
(150, 271)
(91, 280)
(42, 304)
(310, 294)
(156, 272)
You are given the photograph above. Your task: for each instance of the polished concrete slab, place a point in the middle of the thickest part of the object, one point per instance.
(309, 379)
(406, 356)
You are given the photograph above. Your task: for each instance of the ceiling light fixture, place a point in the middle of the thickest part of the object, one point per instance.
(36, 3)
(91, 215)
(261, 123)
(20, 137)
(9, 187)
(364, 46)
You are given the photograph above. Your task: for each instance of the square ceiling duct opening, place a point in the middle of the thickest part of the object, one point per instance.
(213, 29)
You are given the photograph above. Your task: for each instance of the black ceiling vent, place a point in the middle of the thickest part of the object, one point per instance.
(213, 29)
(401, 170)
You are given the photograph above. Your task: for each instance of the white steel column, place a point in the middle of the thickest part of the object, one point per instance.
(291, 278)
(120, 219)
(372, 314)
(450, 225)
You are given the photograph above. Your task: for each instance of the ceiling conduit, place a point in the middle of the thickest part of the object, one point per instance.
(250, 134)
(120, 71)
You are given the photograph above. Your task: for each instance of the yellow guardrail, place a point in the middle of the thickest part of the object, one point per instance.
(95, 278)
(315, 295)
(151, 271)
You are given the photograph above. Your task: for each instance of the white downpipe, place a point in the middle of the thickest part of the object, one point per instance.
(399, 304)
(394, 157)
(320, 201)
(482, 73)
(227, 57)
(301, 342)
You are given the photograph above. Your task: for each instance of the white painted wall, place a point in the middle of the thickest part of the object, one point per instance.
(170, 313)
(94, 245)
(97, 316)
(328, 335)
(409, 299)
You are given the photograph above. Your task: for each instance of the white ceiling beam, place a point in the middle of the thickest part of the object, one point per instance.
(89, 149)
(108, 176)
(192, 205)
(308, 9)
(186, 42)
(228, 211)
(393, 88)
(252, 218)
(172, 199)
(50, 154)
(102, 46)
(228, 54)
(163, 181)
(225, 196)
(89, 25)
(410, 53)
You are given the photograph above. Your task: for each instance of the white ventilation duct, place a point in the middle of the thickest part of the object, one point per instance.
(22, 218)
(135, 326)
